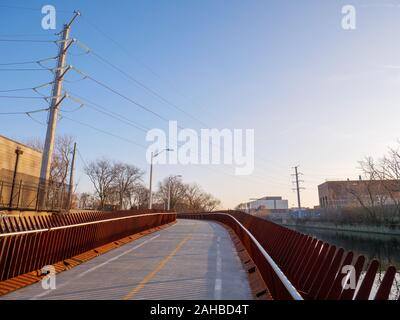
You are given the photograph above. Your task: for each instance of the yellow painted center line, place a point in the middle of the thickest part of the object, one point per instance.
(151, 275)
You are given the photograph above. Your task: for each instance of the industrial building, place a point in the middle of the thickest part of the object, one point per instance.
(29, 160)
(19, 173)
(354, 193)
(266, 206)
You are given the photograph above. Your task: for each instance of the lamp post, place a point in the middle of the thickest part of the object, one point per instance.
(169, 189)
(18, 153)
(153, 155)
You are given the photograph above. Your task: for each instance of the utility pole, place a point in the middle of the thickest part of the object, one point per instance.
(169, 189)
(169, 193)
(71, 179)
(56, 100)
(150, 184)
(153, 155)
(298, 188)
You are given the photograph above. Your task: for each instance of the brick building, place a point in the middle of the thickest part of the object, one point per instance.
(351, 193)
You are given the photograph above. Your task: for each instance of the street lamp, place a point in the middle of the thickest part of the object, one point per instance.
(169, 189)
(151, 174)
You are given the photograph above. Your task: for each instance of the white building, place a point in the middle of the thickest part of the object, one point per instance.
(266, 204)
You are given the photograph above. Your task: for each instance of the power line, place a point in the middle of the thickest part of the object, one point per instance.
(27, 62)
(26, 69)
(75, 81)
(129, 54)
(137, 82)
(74, 110)
(124, 121)
(24, 112)
(28, 88)
(80, 156)
(100, 83)
(105, 132)
(28, 40)
(11, 35)
(34, 120)
(26, 97)
(116, 92)
(130, 100)
(123, 96)
(15, 90)
(17, 63)
(29, 8)
(250, 178)
(107, 112)
(28, 114)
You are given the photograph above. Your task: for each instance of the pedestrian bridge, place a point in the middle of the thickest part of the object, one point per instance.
(128, 255)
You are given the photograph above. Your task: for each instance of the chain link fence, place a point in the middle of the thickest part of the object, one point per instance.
(33, 194)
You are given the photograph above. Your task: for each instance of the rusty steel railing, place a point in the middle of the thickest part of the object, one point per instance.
(29, 243)
(314, 268)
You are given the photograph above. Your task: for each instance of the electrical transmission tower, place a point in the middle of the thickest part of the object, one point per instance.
(297, 182)
(56, 99)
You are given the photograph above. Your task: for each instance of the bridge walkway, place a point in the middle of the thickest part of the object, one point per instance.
(192, 259)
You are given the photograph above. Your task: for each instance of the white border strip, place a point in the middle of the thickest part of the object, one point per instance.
(78, 224)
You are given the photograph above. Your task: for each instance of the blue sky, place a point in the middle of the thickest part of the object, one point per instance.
(317, 96)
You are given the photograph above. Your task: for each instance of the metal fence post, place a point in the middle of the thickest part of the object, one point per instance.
(37, 197)
(19, 193)
(1, 193)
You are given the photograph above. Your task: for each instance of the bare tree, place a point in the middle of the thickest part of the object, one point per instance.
(210, 203)
(172, 187)
(193, 198)
(140, 194)
(84, 199)
(62, 157)
(127, 177)
(102, 174)
(196, 200)
(380, 193)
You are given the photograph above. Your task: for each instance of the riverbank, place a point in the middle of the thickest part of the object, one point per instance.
(352, 228)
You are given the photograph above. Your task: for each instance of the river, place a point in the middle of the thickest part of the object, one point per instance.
(384, 248)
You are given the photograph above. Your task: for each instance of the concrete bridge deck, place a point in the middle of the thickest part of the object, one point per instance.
(192, 259)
